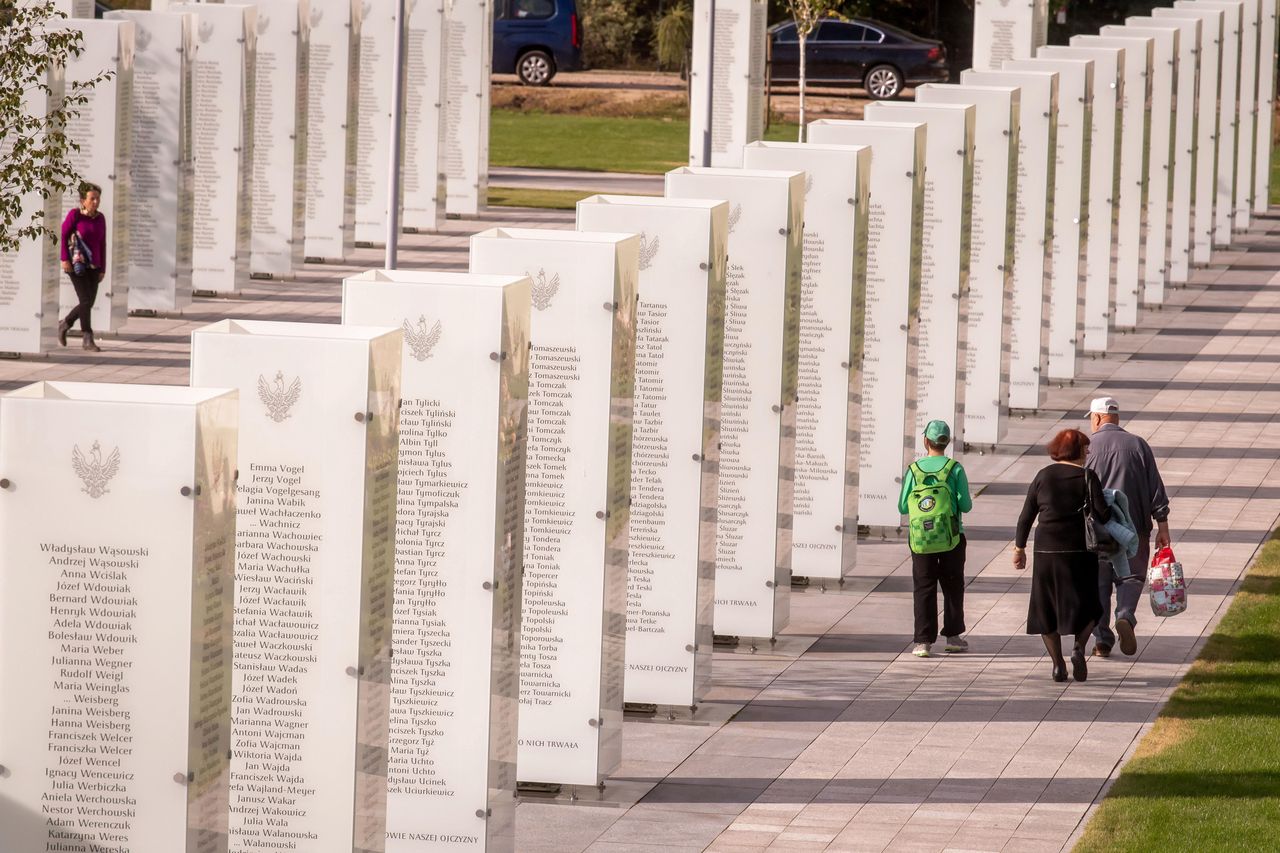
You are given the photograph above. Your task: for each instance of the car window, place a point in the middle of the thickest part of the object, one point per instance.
(840, 31)
(871, 34)
(532, 10)
(787, 33)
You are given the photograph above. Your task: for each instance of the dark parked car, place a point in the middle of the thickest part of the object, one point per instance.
(534, 39)
(858, 52)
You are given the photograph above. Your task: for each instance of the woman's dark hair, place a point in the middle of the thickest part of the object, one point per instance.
(939, 445)
(1067, 446)
(86, 188)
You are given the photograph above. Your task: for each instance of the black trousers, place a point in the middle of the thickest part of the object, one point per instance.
(928, 572)
(87, 292)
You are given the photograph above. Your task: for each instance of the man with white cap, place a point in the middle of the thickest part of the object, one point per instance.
(1124, 461)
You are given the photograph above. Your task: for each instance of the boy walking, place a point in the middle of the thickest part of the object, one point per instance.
(935, 492)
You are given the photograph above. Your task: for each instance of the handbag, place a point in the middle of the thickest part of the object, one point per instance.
(81, 257)
(1168, 585)
(1096, 538)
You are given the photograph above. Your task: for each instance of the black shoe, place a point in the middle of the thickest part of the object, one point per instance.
(1059, 672)
(63, 328)
(1101, 650)
(1128, 640)
(88, 343)
(1079, 668)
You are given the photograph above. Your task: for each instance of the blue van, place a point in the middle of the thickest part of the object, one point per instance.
(534, 39)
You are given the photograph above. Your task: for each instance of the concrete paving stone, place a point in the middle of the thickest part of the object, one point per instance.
(670, 829)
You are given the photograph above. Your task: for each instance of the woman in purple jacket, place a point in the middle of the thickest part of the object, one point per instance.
(84, 260)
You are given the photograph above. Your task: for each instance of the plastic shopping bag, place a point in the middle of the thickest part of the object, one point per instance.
(1168, 587)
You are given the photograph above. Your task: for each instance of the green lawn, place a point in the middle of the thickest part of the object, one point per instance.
(1207, 777)
(647, 145)
(550, 199)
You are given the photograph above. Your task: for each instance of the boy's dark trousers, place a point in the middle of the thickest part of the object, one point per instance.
(928, 572)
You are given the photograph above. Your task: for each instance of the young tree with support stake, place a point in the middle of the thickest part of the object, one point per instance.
(807, 14)
(35, 152)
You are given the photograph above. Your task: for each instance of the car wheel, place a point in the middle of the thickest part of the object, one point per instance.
(883, 83)
(535, 68)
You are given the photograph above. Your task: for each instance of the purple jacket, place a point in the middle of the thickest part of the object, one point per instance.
(92, 231)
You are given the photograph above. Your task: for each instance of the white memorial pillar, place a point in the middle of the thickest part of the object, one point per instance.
(1207, 123)
(1159, 109)
(1033, 228)
(379, 28)
(222, 140)
(468, 53)
(103, 130)
(451, 768)
(738, 50)
(833, 291)
(577, 493)
(75, 8)
(758, 410)
(422, 182)
(1132, 243)
(1104, 180)
(315, 554)
(1246, 135)
(279, 165)
(1267, 63)
(944, 256)
(892, 313)
(1181, 107)
(1228, 111)
(333, 97)
(115, 634)
(995, 170)
(1004, 30)
(675, 439)
(1069, 219)
(161, 168)
(30, 273)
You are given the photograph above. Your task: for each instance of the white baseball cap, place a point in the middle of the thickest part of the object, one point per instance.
(1104, 406)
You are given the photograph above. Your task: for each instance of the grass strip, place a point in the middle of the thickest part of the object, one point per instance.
(602, 144)
(1207, 776)
(548, 199)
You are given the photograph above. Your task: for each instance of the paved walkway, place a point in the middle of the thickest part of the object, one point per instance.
(836, 738)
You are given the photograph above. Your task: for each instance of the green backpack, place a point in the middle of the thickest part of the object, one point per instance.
(931, 510)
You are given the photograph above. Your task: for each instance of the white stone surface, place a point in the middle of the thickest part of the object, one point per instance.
(279, 164)
(315, 556)
(160, 227)
(944, 256)
(332, 119)
(758, 412)
(1228, 111)
(118, 632)
(675, 439)
(1004, 30)
(379, 29)
(577, 516)
(995, 169)
(738, 50)
(222, 131)
(831, 349)
(1067, 257)
(423, 186)
(1267, 62)
(459, 550)
(468, 61)
(1104, 166)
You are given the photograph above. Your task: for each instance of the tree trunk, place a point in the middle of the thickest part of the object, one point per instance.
(804, 37)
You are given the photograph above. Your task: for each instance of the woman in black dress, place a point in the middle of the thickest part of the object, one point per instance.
(1064, 577)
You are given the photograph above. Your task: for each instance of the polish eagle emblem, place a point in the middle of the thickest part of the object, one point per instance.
(317, 15)
(206, 31)
(93, 470)
(264, 21)
(544, 289)
(141, 39)
(648, 251)
(420, 339)
(808, 185)
(735, 216)
(278, 398)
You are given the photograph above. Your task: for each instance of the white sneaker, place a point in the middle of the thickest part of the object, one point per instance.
(957, 644)
(921, 650)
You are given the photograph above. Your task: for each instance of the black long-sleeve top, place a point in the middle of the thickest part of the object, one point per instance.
(1056, 496)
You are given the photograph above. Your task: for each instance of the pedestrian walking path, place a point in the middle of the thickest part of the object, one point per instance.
(836, 738)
